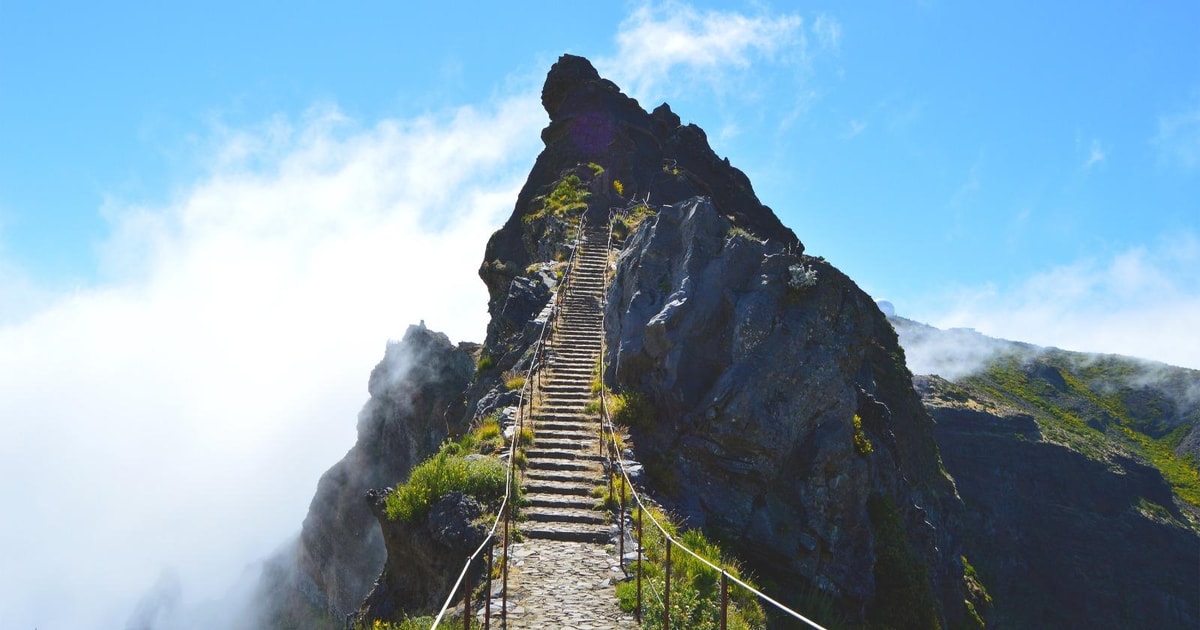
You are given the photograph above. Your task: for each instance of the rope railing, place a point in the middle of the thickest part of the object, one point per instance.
(504, 514)
(617, 463)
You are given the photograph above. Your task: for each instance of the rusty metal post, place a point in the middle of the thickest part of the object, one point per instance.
(621, 521)
(724, 600)
(638, 610)
(487, 591)
(667, 589)
(610, 481)
(467, 598)
(504, 573)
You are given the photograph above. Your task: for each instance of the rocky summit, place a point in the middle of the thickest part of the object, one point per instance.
(765, 402)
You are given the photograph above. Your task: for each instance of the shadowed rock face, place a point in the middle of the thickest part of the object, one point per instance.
(1070, 521)
(754, 381)
(1061, 540)
(416, 399)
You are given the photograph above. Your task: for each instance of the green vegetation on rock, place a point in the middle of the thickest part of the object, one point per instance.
(903, 596)
(481, 477)
(695, 587)
(485, 362)
(862, 443)
(1077, 404)
(624, 224)
(568, 195)
(630, 409)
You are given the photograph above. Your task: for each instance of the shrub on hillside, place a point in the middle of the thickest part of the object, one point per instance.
(480, 477)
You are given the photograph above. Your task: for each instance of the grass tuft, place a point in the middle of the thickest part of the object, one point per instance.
(482, 478)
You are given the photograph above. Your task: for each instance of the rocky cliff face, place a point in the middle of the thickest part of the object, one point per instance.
(1078, 476)
(416, 401)
(783, 419)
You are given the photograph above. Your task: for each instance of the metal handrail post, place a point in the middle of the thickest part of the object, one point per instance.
(667, 590)
(487, 593)
(638, 610)
(724, 600)
(621, 521)
(504, 572)
(467, 598)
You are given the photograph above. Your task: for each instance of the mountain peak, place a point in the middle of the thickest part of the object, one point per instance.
(567, 74)
(650, 159)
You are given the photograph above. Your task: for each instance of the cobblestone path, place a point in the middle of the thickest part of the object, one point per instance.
(569, 585)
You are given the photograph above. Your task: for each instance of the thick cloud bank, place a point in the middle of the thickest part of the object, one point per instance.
(165, 428)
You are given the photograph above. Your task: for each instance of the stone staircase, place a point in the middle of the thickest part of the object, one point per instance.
(564, 460)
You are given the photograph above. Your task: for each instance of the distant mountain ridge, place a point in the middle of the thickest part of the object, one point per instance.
(1079, 474)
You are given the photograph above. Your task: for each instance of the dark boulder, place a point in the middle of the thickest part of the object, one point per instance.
(424, 558)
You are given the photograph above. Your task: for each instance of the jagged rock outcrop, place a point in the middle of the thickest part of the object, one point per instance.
(652, 155)
(756, 362)
(416, 401)
(424, 558)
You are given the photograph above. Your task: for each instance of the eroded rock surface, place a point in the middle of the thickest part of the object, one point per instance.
(424, 558)
(416, 400)
(755, 381)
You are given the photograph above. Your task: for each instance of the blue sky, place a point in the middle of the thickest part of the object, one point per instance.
(938, 152)
(249, 199)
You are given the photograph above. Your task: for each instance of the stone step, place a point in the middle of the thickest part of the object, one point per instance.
(549, 453)
(562, 464)
(563, 387)
(561, 366)
(566, 515)
(559, 399)
(576, 359)
(581, 380)
(572, 366)
(592, 476)
(568, 444)
(568, 532)
(566, 397)
(579, 412)
(569, 390)
(558, 405)
(542, 486)
(580, 339)
(581, 329)
(576, 352)
(562, 434)
(548, 410)
(571, 383)
(572, 374)
(584, 423)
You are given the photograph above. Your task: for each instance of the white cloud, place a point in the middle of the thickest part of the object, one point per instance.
(177, 416)
(1095, 156)
(677, 44)
(1178, 137)
(1142, 302)
(829, 32)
